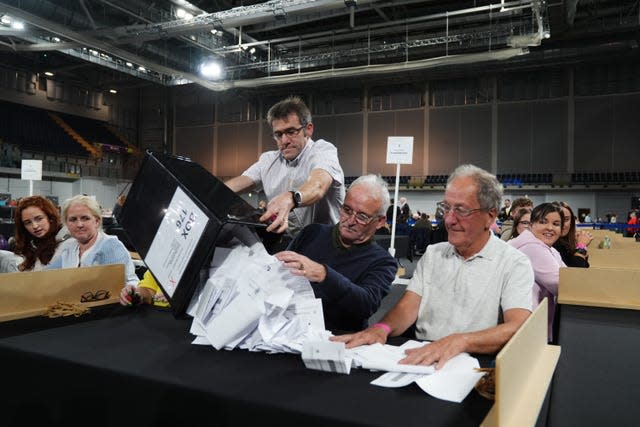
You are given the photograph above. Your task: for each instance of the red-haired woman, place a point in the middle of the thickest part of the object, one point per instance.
(38, 232)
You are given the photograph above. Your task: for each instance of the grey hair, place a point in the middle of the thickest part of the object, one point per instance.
(378, 187)
(490, 190)
(292, 104)
(87, 201)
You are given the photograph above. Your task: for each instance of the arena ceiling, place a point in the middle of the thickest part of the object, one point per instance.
(111, 43)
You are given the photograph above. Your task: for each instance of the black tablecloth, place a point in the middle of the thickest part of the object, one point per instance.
(138, 366)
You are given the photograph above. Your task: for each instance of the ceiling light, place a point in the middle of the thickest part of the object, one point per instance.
(48, 73)
(6, 20)
(17, 25)
(129, 64)
(211, 70)
(56, 40)
(252, 50)
(113, 91)
(183, 14)
(141, 68)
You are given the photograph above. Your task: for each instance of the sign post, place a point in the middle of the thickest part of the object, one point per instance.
(399, 151)
(31, 170)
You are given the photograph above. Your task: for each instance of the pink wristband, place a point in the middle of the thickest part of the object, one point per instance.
(384, 326)
(581, 246)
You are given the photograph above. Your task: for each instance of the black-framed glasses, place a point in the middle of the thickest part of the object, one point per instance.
(361, 217)
(100, 295)
(290, 132)
(457, 210)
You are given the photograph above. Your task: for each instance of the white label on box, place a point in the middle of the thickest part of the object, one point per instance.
(175, 240)
(400, 150)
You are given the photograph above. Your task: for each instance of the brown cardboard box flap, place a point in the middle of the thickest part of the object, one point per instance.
(29, 294)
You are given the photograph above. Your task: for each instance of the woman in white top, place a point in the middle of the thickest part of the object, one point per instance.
(88, 244)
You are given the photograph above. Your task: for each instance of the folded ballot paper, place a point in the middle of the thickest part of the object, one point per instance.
(250, 301)
(453, 382)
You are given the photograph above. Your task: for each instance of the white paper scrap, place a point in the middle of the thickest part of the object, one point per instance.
(326, 356)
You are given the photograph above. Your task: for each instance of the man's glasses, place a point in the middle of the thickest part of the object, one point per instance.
(457, 210)
(291, 132)
(361, 218)
(97, 296)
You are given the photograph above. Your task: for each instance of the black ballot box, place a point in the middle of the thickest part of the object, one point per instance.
(175, 214)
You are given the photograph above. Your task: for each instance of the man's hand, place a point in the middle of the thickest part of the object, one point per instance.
(300, 265)
(439, 351)
(277, 211)
(368, 336)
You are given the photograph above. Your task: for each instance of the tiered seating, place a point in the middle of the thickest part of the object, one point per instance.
(435, 179)
(94, 131)
(33, 130)
(520, 179)
(604, 178)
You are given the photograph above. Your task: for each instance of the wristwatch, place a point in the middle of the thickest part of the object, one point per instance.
(297, 198)
(581, 251)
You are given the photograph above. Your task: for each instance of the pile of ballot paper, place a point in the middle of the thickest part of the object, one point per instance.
(250, 301)
(453, 382)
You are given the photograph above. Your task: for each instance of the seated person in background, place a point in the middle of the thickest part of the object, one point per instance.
(38, 232)
(347, 269)
(503, 215)
(537, 245)
(573, 244)
(633, 220)
(459, 287)
(148, 292)
(423, 222)
(88, 244)
(521, 222)
(507, 225)
(117, 208)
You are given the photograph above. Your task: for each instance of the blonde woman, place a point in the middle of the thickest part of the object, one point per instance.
(88, 244)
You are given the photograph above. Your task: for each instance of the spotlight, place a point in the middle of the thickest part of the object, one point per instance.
(211, 70)
(113, 91)
(48, 73)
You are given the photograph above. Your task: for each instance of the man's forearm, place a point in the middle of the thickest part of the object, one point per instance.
(403, 314)
(492, 340)
(315, 187)
(240, 184)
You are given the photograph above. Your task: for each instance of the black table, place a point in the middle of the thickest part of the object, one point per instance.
(137, 366)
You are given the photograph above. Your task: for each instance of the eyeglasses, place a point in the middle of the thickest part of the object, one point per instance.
(97, 296)
(457, 211)
(361, 218)
(291, 132)
(525, 223)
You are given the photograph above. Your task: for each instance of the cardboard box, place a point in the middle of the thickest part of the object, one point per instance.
(175, 213)
(29, 294)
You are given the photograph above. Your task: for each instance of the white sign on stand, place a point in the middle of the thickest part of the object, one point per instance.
(31, 170)
(399, 151)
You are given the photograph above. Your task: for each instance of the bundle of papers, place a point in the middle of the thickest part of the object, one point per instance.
(250, 301)
(453, 382)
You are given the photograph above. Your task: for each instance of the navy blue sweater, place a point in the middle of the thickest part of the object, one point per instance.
(357, 277)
